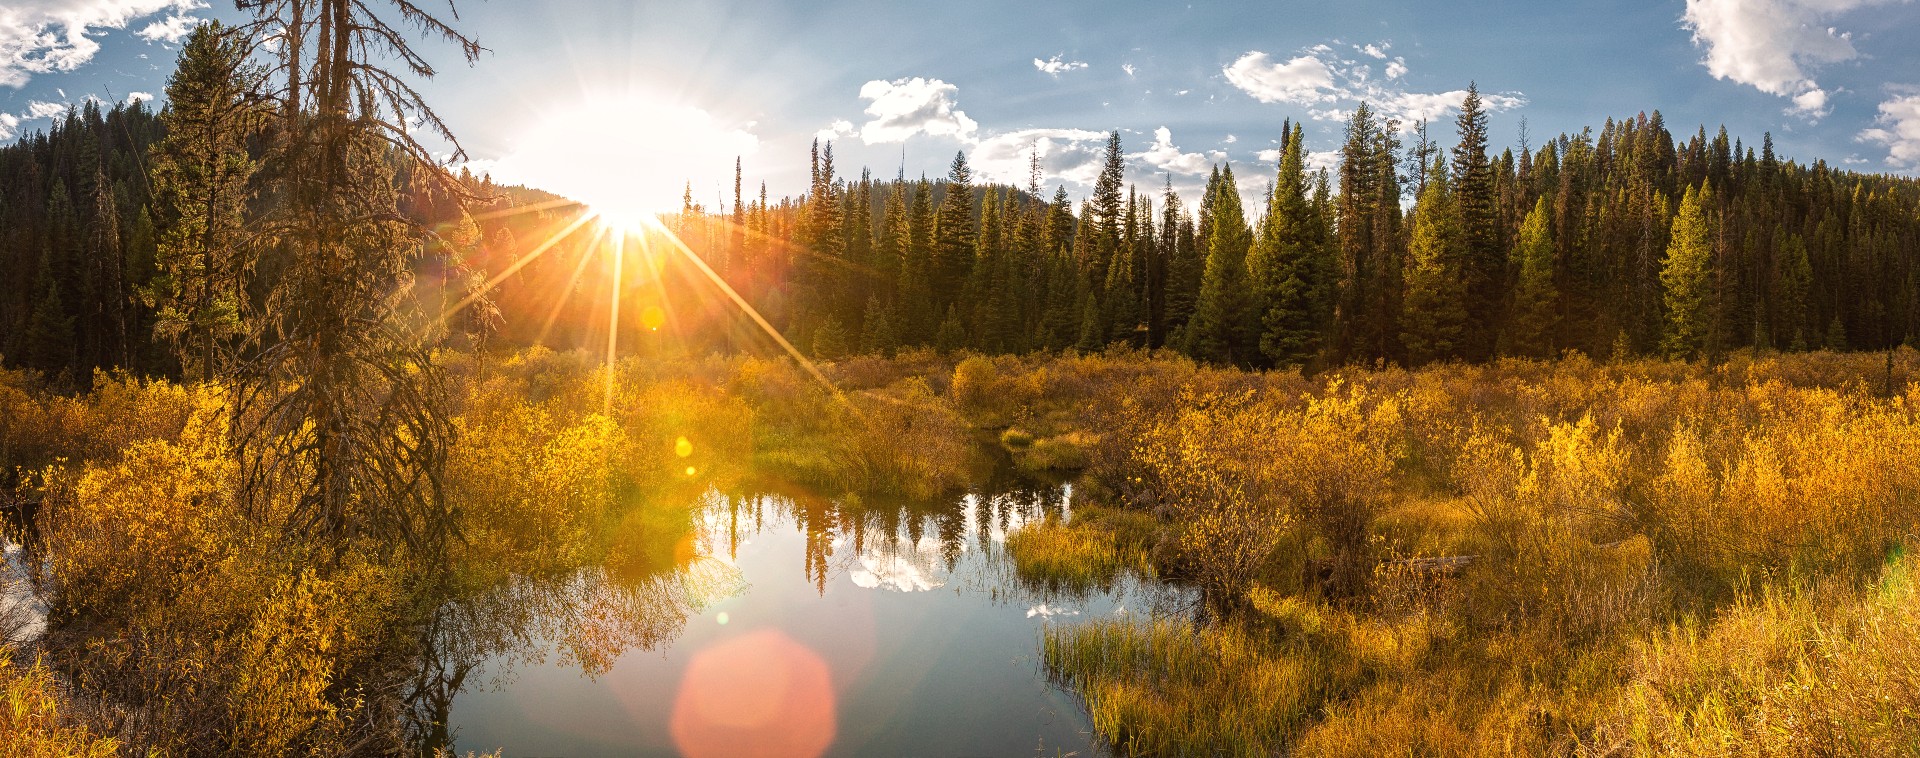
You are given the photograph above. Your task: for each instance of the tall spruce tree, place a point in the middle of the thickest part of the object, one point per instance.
(1686, 276)
(1435, 317)
(1289, 277)
(1530, 321)
(200, 175)
(1475, 194)
(1224, 325)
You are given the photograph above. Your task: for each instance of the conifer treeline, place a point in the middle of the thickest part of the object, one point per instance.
(1620, 240)
(1623, 241)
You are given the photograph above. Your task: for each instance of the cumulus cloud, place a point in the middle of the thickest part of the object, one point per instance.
(45, 36)
(839, 128)
(171, 29)
(1055, 66)
(1811, 104)
(1165, 156)
(139, 97)
(36, 110)
(903, 108)
(1070, 155)
(1772, 44)
(1330, 86)
(1304, 80)
(1898, 130)
(1128, 67)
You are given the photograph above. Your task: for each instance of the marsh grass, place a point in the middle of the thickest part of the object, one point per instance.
(1054, 555)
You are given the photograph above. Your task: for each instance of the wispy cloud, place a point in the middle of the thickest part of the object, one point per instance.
(1055, 66)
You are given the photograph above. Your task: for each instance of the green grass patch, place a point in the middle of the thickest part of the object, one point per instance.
(1066, 452)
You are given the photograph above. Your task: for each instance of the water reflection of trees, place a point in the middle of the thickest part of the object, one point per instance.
(925, 535)
(640, 596)
(587, 618)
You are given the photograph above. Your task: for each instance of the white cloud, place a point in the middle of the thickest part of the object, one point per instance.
(1055, 66)
(1811, 104)
(1128, 67)
(36, 110)
(1302, 80)
(1070, 155)
(903, 108)
(1328, 160)
(1413, 106)
(1165, 156)
(1330, 86)
(138, 97)
(171, 29)
(1898, 130)
(839, 128)
(891, 571)
(1231, 139)
(39, 109)
(45, 36)
(1269, 155)
(1771, 44)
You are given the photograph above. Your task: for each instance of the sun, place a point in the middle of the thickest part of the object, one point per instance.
(629, 157)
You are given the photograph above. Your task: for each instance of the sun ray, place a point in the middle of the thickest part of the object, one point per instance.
(566, 292)
(613, 315)
(744, 306)
(543, 205)
(583, 218)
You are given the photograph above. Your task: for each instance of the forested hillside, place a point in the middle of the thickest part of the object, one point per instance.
(1620, 240)
(1623, 240)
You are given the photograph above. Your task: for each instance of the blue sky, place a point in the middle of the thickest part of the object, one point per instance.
(1187, 84)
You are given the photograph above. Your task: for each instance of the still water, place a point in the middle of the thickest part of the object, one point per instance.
(792, 624)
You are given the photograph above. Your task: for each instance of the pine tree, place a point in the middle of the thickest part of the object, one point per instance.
(1686, 276)
(48, 342)
(914, 301)
(1223, 328)
(830, 341)
(952, 335)
(954, 235)
(1286, 266)
(1791, 290)
(877, 335)
(200, 173)
(1476, 197)
(1530, 321)
(1435, 317)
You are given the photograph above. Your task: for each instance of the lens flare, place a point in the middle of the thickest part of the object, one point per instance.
(757, 694)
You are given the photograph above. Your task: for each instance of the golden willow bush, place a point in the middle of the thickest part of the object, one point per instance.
(1241, 476)
(1557, 557)
(1523, 558)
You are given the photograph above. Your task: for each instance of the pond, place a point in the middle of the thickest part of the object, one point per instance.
(790, 624)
